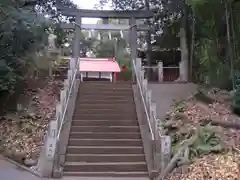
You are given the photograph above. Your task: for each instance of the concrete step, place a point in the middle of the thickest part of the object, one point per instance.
(104, 142)
(104, 116)
(112, 110)
(104, 150)
(104, 135)
(106, 175)
(104, 101)
(105, 88)
(106, 84)
(103, 106)
(105, 158)
(109, 97)
(105, 167)
(133, 129)
(97, 92)
(104, 123)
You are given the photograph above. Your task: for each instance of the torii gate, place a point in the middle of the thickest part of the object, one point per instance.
(132, 15)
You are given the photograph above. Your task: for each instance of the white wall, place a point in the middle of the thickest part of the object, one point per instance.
(107, 75)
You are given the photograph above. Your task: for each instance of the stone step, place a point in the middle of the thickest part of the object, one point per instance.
(104, 123)
(104, 86)
(109, 97)
(122, 83)
(105, 158)
(104, 135)
(108, 82)
(97, 92)
(104, 142)
(96, 100)
(124, 106)
(104, 150)
(105, 167)
(105, 175)
(104, 116)
(133, 129)
(97, 111)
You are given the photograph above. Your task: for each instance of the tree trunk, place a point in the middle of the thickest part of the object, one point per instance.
(192, 47)
(229, 54)
(184, 66)
(149, 45)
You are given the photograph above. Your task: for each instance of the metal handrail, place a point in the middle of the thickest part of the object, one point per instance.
(68, 99)
(143, 100)
(149, 67)
(171, 67)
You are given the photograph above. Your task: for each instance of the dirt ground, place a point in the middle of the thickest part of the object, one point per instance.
(191, 114)
(22, 131)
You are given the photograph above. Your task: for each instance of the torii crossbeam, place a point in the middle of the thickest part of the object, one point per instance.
(136, 14)
(140, 27)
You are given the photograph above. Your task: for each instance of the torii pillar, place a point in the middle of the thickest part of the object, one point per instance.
(133, 43)
(77, 37)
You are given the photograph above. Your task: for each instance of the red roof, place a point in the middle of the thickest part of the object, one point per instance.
(98, 65)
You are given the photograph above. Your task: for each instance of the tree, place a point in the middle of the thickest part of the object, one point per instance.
(23, 30)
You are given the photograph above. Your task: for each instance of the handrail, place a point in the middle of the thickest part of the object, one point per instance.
(149, 67)
(68, 99)
(143, 100)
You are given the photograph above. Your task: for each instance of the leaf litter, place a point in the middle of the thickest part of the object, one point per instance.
(188, 115)
(22, 133)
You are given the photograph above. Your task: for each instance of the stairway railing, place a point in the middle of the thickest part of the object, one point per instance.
(160, 144)
(53, 151)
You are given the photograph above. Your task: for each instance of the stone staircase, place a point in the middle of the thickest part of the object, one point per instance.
(105, 138)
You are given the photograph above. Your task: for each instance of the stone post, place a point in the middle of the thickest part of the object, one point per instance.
(160, 72)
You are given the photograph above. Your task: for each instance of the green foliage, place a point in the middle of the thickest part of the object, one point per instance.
(203, 141)
(195, 3)
(236, 94)
(105, 49)
(24, 31)
(178, 106)
(124, 59)
(211, 56)
(8, 81)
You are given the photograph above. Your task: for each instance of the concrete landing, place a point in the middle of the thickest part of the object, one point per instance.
(164, 94)
(10, 171)
(104, 178)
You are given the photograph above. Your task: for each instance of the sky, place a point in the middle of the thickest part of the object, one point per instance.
(87, 4)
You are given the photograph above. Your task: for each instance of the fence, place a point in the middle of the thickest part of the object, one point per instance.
(162, 73)
(161, 149)
(50, 157)
(154, 70)
(171, 73)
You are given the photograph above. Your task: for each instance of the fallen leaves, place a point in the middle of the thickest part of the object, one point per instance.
(213, 166)
(210, 167)
(23, 133)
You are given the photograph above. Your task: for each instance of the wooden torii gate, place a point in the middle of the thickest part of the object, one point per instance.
(132, 15)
